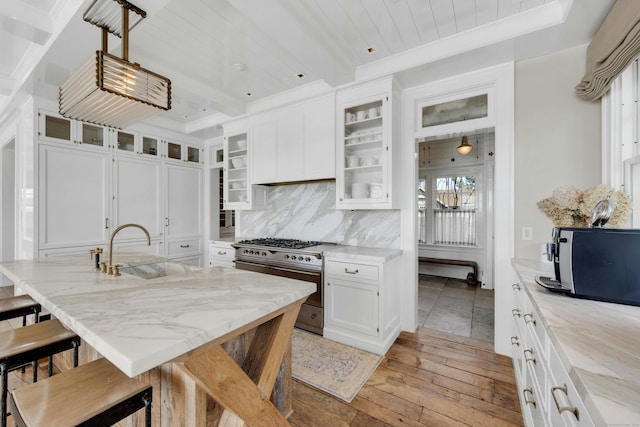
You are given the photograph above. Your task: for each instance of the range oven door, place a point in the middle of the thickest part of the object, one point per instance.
(311, 317)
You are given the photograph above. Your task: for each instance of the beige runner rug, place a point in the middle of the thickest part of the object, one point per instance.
(332, 367)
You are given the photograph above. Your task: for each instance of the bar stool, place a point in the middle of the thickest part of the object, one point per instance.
(95, 394)
(19, 347)
(20, 305)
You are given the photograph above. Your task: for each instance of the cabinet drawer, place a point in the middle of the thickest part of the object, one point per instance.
(221, 253)
(352, 270)
(565, 405)
(184, 247)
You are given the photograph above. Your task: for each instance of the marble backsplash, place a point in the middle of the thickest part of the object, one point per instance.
(308, 212)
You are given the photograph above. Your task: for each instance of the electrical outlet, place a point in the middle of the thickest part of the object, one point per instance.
(527, 233)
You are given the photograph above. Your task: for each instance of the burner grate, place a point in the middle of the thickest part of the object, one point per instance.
(280, 243)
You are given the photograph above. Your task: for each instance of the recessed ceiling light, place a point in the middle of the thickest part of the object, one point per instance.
(240, 66)
(371, 49)
(249, 94)
(204, 110)
(186, 117)
(300, 75)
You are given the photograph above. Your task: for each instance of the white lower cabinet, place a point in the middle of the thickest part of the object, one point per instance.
(547, 395)
(221, 254)
(361, 303)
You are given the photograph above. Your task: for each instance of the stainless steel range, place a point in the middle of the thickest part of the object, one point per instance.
(296, 259)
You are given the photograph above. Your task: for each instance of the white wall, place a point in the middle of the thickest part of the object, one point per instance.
(557, 139)
(8, 192)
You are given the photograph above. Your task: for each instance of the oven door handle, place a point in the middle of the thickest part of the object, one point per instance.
(310, 273)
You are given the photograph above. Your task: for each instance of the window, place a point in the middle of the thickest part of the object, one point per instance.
(448, 213)
(621, 131)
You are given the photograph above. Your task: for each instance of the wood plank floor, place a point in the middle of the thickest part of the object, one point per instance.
(429, 378)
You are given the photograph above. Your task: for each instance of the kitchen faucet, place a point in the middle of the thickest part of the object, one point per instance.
(113, 270)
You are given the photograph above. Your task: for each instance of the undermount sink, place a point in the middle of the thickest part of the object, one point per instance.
(154, 270)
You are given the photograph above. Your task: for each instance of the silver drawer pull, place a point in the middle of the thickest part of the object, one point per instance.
(184, 246)
(527, 401)
(529, 359)
(222, 253)
(530, 319)
(516, 287)
(516, 312)
(350, 272)
(515, 341)
(562, 409)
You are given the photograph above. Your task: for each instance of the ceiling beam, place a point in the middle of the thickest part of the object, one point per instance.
(25, 21)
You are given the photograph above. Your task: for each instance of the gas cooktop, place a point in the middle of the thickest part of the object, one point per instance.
(280, 243)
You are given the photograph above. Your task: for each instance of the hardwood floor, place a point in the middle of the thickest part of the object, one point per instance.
(429, 378)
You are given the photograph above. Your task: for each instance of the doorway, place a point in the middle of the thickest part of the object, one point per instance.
(455, 205)
(455, 219)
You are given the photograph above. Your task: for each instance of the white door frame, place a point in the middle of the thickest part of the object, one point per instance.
(500, 79)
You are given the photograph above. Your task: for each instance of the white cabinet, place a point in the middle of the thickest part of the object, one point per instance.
(548, 397)
(54, 128)
(175, 151)
(295, 143)
(366, 145)
(73, 197)
(134, 143)
(361, 303)
(238, 192)
(221, 254)
(236, 171)
(85, 191)
(137, 196)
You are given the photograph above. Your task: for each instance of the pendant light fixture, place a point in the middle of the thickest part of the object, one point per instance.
(108, 90)
(464, 147)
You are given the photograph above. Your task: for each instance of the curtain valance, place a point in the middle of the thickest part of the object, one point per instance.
(613, 48)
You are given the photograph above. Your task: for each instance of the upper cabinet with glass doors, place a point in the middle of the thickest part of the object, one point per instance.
(183, 152)
(132, 142)
(236, 172)
(55, 128)
(365, 147)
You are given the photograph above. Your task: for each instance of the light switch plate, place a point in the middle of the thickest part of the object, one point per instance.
(527, 233)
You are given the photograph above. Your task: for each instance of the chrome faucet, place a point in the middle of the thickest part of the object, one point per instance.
(111, 269)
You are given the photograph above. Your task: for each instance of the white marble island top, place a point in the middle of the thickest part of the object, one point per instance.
(139, 324)
(598, 344)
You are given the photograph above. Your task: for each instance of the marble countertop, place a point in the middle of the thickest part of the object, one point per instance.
(139, 324)
(359, 253)
(598, 344)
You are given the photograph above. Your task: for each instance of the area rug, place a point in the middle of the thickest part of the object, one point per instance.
(332, 367)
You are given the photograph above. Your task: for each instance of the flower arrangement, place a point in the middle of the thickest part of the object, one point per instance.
(571, 207)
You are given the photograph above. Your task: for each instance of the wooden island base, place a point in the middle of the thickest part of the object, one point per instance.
(244, 375)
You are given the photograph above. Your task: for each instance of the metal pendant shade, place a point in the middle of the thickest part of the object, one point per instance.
(464, 147)
(108, 90)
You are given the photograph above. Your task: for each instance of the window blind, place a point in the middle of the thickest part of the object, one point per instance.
(613, 48)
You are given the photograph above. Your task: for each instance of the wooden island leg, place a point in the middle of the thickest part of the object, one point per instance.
(244, 391)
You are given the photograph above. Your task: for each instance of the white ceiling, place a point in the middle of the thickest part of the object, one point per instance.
(216, 52)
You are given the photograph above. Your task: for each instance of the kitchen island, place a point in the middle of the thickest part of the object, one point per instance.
(169, 329)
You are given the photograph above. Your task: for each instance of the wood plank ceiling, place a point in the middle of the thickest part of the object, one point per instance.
(217, 52)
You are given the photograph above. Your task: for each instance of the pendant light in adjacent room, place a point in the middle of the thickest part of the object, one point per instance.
(464, 147)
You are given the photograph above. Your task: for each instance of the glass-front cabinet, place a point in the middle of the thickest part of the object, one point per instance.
(236, 171)
(178, 151)
(55, 128)
(365, 149)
